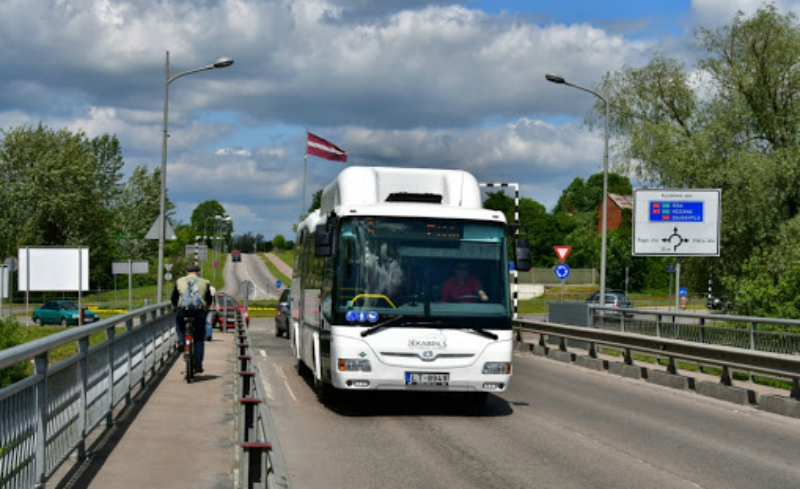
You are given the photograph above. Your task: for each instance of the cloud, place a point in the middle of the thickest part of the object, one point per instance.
(713, 13)
(407, 83)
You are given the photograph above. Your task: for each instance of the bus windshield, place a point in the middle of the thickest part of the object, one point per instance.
(421, 271)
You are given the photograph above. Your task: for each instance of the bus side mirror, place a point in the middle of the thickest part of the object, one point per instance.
(522, 255)
(323, 241)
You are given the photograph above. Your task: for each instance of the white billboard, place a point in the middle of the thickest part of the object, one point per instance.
(53, 269)
(676, 222)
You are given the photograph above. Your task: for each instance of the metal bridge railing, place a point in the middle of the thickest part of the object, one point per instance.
(261, 463)
(773, 335)
(47, 416)
(675, 341)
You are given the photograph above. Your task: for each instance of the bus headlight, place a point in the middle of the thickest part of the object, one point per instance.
(354, 365)
(497, 368)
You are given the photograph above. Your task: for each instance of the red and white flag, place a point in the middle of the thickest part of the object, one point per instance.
(324, 149)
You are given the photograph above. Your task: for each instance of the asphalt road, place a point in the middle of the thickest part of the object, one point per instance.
(251, 268)
(557, 426)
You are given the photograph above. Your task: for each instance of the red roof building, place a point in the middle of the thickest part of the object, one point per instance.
(616, 204)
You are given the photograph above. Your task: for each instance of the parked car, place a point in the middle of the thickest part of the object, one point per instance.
(614, 298)
(236, 255)
(225, 312)
(283, 313)
(717, 304)
(62, 312)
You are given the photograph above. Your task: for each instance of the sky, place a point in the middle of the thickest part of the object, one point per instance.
(410, 83)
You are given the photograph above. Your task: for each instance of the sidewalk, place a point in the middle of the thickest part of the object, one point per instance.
(179, 436)
(282, 266)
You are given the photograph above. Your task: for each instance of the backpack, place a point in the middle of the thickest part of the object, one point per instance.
(191, 298)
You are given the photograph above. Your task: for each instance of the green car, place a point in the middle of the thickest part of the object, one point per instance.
(64, 313)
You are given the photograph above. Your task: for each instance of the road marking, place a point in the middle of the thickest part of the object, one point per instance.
(250, 278)
(286, 382)
(262, 353)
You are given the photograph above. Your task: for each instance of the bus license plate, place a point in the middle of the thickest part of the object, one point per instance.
(419, 378)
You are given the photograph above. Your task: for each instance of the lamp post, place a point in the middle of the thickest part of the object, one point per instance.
(216, 230)
(561, 81)
(220, 63)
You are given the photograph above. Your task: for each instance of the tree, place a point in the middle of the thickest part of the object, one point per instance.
(204, 218)
(734, 129)
(135, 208)
(541, 229)
(279, 243)
(58, 187)
(316, 201)
(587, 196)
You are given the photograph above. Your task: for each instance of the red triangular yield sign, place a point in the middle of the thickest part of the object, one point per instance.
(562, 252)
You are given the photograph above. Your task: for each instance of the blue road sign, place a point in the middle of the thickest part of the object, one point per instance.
(668, 211)
(562, 271)
(278, 284)
(361, 316)
(683, 291)
(350, 316)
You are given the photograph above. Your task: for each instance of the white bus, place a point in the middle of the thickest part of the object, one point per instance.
(401, 283)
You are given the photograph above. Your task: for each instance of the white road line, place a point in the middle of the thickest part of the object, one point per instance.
(262, 353)
(286, 382)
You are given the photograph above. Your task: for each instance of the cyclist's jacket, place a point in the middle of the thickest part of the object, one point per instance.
(184, 284)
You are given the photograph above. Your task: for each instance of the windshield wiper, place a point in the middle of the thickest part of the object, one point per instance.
(485, 333)
(377, 327)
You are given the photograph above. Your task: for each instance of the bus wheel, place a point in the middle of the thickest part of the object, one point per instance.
(302, 368)
(325, 391)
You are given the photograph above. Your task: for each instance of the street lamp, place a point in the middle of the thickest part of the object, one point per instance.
(220, 63)
(561, 81)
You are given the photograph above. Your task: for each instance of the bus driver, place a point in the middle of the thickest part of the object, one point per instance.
(463, 287)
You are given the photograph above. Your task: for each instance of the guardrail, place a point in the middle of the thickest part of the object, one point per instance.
(261, 463)
(47, 416)
(754, 333)
(726, 357)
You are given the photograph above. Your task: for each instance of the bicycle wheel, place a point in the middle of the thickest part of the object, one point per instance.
(188, 353)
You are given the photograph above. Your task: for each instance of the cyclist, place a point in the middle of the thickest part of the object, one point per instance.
(184, 290)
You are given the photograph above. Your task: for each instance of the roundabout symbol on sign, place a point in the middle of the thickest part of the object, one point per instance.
(562, 271)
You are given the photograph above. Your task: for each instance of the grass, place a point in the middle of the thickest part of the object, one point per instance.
(287, 281)
(34, 333)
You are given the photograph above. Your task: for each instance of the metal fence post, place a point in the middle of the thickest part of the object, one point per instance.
(40, 368)
(752, 335)
(83, 406)
(111, 334)
(702, 330)
(658, 325)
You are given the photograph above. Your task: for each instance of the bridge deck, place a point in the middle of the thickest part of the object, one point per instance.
(177, 435)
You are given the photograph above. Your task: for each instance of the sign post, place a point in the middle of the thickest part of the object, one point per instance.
(562, 270)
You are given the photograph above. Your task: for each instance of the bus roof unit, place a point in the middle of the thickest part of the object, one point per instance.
(358, 186)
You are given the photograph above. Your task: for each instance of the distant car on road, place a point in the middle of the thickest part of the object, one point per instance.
(236, 255)
(62, 312)
(225, 313)
(614, 298)
(282, 314)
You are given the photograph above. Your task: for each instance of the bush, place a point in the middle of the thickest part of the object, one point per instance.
(11, 335)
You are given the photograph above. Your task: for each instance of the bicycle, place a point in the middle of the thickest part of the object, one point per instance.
(189, 348)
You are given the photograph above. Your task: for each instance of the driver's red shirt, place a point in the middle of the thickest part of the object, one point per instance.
(451, 289)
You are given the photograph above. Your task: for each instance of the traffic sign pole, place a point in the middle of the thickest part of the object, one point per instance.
(677, 282)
